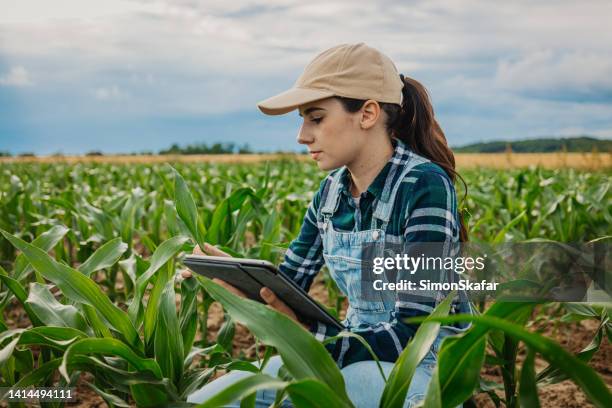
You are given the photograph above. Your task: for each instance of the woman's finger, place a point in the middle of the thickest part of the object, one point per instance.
(186, 274)
(209, 250)
(273, 300)
(197, 250)
(214, 251)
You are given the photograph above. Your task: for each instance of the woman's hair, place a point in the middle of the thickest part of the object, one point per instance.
(414, 124)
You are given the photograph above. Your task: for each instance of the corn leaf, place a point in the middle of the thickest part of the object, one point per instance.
(528, 390)
(302, 354)
(583, 375)
(104, 257)
(242, 388)
(77, 287)
(399, 380)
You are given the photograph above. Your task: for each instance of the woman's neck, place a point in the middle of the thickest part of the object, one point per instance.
(368, 164)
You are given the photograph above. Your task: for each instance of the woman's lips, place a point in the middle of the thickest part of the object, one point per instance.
(315, 155)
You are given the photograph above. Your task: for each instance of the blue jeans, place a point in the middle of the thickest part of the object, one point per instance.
(355, 376)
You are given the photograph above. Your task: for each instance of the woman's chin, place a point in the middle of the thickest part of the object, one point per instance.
(324, 163)
(325, 166)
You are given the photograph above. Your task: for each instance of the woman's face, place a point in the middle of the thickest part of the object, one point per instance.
(332, 135)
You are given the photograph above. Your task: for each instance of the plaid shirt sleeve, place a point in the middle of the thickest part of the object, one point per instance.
(304, 257)
(429, 218)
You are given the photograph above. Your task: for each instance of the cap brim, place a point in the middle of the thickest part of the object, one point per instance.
(291, 99)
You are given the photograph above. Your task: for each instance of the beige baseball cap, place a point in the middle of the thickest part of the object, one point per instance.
(349, 70)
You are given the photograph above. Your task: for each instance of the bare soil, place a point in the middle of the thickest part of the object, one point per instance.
(573, 337)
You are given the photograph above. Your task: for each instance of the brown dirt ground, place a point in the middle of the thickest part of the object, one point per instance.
(572, 336)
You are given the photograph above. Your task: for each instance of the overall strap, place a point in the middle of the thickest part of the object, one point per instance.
(331, 192)
(384, 206)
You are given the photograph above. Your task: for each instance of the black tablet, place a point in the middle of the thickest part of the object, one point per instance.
(250, 275)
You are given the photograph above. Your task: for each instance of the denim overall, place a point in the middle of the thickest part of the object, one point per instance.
(343, 251)
(343, 256)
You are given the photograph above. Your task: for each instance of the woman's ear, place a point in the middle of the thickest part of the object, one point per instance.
(370, 112)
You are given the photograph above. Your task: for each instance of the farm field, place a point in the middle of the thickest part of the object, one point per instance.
(587, 161)
(91, 253)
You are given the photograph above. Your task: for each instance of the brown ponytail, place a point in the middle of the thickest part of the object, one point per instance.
(415, 125)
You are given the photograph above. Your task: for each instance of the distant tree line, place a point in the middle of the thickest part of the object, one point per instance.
(203, 148)
(544, 145)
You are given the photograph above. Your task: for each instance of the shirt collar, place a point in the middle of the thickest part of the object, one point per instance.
(399, 158)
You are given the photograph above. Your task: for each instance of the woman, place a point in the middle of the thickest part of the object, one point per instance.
(392, 184)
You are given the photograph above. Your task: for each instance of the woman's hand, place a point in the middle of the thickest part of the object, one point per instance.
(275, 303)
(266, 294)
(210, 250)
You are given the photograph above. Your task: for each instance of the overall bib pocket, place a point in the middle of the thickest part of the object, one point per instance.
(342, 252)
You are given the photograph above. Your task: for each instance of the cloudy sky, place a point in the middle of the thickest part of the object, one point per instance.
(124, 76)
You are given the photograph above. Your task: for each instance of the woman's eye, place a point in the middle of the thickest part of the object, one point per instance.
(317, 120)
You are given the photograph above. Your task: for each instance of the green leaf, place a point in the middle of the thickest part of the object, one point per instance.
(38, 376)
(24, 360)
(194, 380)
(168, 341)
(226, 334)
(528, 389)
(221, 227)
(21, 295)
(50, 311)
(552, 375)
(188, 315)
(186, 208)
(310, 393)
(433, 396)
(111, 347)
(99, 327)
(77, 287)
(221, 224)
(249, 401)
(460, 358)
(45, 241)
(111, 400)
(242, 388)
(499, 238)
(302, 354)
(54, 337)
(583, 375)
(147, 389)
(363, 342)
(394, 394)
(165, 251)
(7, 351)
(104, 257)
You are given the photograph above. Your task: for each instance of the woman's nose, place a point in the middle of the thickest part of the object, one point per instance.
(303, 137)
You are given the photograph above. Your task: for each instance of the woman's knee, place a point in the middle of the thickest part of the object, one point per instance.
(368, 372)
(216, 386)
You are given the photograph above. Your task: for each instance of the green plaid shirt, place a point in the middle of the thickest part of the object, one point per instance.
(425, 210)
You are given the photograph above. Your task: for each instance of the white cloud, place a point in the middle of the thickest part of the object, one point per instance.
(36, 10)
(574, 71)
(111, 93)
(17, 76)
(487, 65)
